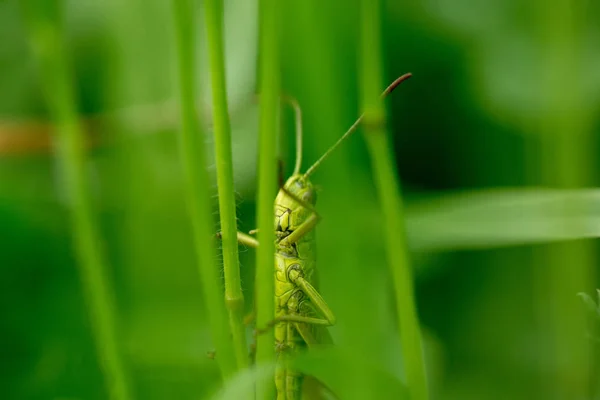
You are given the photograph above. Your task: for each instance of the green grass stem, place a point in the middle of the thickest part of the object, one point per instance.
(269, 76)
(234, 299)
(47, 43)
(388, 188)
(197, 183)
(565, 128)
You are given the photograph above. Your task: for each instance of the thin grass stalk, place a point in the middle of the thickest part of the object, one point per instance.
(269, 76)
(191, 147)
(47, 43)
(234, 299)
(565, 127)
(388, 188)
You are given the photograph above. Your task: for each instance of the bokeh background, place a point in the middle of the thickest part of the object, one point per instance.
(494, 135)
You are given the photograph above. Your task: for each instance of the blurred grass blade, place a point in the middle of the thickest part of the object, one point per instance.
(335, 369)
(47, 42)
(197, 184)
(241, 385)
(590, 303)
(234, 299)
(388, 190)
(503, 217)
(267, 183)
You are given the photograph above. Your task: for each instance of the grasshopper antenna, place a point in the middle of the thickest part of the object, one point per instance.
(351, 130)
(298, 117)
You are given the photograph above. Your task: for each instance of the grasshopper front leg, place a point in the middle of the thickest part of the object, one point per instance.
(243, 238)
(301, 230)
(305, 227)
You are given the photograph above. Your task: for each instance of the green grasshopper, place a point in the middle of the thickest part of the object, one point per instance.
(299, 308)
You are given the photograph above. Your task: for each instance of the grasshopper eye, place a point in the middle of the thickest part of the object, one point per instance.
(310, 196)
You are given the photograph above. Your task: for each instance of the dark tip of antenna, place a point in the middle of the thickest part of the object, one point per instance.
(396, 83)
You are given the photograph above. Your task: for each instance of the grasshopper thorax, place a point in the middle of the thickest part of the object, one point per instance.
(293, 205)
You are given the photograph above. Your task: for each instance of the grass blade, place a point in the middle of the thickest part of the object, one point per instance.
(565, 124)
(197, 184)
(267, 183)
(333, 366)
(47, 43)
(388, 189)
(234, 299)
(243, 382)
(491, 218)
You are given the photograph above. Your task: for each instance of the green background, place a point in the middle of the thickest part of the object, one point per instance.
(505, 94)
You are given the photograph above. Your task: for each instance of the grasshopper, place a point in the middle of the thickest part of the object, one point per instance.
(299, 308)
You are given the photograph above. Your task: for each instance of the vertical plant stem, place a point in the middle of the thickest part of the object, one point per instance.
(565, 127)
(234, 299)
(388, 188)
(197, 183)
(267, 183)
(47, 42)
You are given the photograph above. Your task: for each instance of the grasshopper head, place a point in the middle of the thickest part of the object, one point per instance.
(302, 188)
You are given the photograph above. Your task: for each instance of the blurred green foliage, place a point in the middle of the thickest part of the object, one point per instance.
(505, 95)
